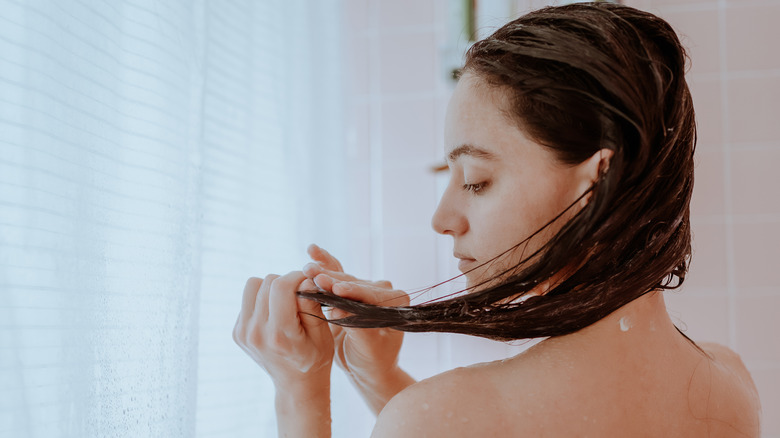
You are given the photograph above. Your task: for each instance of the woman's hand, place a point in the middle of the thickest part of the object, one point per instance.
(368, 356)
(277, 330)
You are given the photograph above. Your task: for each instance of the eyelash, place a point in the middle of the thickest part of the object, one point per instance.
(475, 189)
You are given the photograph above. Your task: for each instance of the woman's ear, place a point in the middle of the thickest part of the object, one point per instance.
(604, 156)
(591, 170)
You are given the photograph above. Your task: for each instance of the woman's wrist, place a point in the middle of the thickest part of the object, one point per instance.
(312, 398)
(304, 385)
(303, 407)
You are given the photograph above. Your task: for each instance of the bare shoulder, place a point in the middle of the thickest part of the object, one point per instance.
(528, 395)
(731, 361)
(722, 353)
(456, 403)
(736, 387)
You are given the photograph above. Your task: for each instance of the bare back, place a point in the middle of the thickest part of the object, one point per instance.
(647, 382)
(685, 396)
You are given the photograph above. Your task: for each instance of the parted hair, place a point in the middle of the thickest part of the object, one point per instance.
(580, 78)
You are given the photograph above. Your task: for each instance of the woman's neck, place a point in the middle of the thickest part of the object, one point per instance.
(639, 329)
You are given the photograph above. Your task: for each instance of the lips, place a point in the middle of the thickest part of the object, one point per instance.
(465, 262)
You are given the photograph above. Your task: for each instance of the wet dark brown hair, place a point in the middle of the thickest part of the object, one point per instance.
(580, 78)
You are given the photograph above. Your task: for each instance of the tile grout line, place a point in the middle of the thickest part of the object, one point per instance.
(731, 290)
(736, 74)
(444, 344)
(375, 148)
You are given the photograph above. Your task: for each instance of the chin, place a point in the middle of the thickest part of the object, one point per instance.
(474, 281)
(480, 276)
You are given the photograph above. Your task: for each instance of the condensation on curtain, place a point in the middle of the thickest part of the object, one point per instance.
(154, 155)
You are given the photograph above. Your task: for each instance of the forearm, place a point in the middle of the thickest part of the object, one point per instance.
(304, 412)
(377, 392)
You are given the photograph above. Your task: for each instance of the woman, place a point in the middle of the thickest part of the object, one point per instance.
(570, 142)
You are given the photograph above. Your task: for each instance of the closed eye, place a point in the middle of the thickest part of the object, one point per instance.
(476, 189)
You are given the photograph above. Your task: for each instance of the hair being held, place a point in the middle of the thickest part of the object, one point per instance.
(578, 79)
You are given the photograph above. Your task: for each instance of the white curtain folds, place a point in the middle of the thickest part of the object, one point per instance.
(153, 155)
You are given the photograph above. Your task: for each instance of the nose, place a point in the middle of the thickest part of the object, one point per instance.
(448, 217)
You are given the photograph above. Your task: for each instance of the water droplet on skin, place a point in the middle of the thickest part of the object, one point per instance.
(625, 324)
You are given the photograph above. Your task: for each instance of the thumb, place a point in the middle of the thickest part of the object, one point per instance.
(309, 311)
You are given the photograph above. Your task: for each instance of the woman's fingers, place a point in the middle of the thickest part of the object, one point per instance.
(250, 296)
(324, 258)
(365, 291)
(283, 304)
(383, 284)
(261, 302)
(312, 270)
(307, 308)
(248, 300)
(291, 316)
(324, 281)
(370, 293)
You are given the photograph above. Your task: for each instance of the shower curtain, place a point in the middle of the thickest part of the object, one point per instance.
(155, 154)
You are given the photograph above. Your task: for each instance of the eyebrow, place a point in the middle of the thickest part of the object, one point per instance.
(472, 151)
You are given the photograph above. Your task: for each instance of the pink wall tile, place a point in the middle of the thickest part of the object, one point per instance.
(358, 261)
(708, 197)
(754, 109)
(356, 15)
(359, 195)
(409, 258)
(660, 3)
(708, 104)
(639, 4)
(757, 256)
(357, 132)
(468, 350)
(409, 197)
(408, 63)
(440, 114)
(402, 13)
(420, 354)
(756, 319)
(408, 131)
(698, 32)
(357, 65)
(768, 383)
(702, 317)
(708, 265)
(748, 29)
(756, 182)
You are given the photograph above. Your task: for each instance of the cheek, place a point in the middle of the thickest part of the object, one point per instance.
(517, 214)
(503, 223)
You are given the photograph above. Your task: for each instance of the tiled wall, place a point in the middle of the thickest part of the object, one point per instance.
(396, 103)
(733, 295)
(395, 121)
